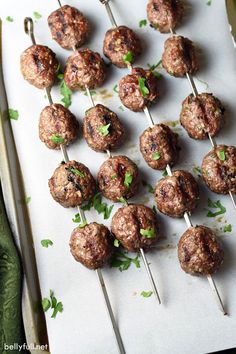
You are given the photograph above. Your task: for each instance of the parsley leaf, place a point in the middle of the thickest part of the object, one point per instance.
(115, 89)
(37, 15)
(123, 200)
(128, 58)
(165, 173)
(116, 243)
(45, 243)
(215, 205)
(142, 23)
(146, 293)
(144, 90)
(53, 304)
(99, 206)
(228, 228)
(222, 155)
(149, 187)
(123, 262)
(148, 233)
(64, 91)
(154, 209)
(128, 179)
(156, 156)
(153, 68)
(46, 304)
(104, 129)
(27, 200)
(57, 139)
(75, 171)
(209, 2)
(83, 224)
(9, 19)
(122, 108)
(13, 114)
(77, 218)
(92, 93)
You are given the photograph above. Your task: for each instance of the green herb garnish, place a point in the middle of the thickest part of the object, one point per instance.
(128, 58)
(156, 156)
(46, 304)
(53, 304)
(115, 89)
(209, 2)
(228, 228)
(165, 173)
(114, 177)
(121, 108)
(144, 90)
(116, 243)
(64, 91)
(75, 171)
(149, 187)
(92, 93)
(9, 19)
(146, 293)
(37, 15)
(142, 23)
(77, 218)
(215, 205)
(104, 129)
(123, 200)
(153, 68)
(83, 224)
(57, 139)
(99, 206)
(13, 114)
(45, 243)
(222, 155)
(27, 200)
(154, 209)
(148, 233)
(123, 262)
(128, 179)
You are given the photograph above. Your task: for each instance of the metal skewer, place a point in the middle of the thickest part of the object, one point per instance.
(29, 30)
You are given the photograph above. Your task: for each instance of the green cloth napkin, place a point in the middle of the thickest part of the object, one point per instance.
(11, 325)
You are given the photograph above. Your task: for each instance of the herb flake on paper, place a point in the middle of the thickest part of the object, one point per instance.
(146, 293)
(9, 19)
(53, 304)
(46, 243)
(100, 206)
(13, 114)
(142, 23)
(121, 261)
(37, 15)
(220, 209)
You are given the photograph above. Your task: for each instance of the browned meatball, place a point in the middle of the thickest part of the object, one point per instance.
(57, 125)
(138, 89)
(179, 57)
(120, 41)
(72, 184)
(69, 27)
(102, 128)
(202, 115)
(159, 146)
(177, 194)
(219, 169)
(39, 66)
(91, 245)
(84, 68)
(118, 178)
(199, 251)
(165, 15)
(135, 226)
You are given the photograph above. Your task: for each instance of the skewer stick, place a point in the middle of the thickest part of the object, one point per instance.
(59, 3)
(110, 312)
(216, 294)
(109, 12)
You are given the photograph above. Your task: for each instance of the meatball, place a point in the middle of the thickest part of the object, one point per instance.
(159, 146)
(118, 178)
(91, 245)
(69, 27)
(72, 184)
(39, 66)
(102, 128)
(135, 226)
(165, 15)
(179, 57)
(177, 194)
(199, 251)
(202, 115)
(83, 69)
(119, 42)
(138, 89)
(57, 125)
(219, 169)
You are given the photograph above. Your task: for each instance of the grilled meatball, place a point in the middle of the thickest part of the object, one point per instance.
(219, 169)
(120, 41)
(165, 15)
(118, 178)
(179, 57)
(91, 245)
(84, 68)
(69, 27)
(177, 194)
(39, 66)
(102, 128)
(199, 251)
(72, 184)
(202, 115)
(57, 125)
(138, 89)
(159, 146)
(135, 226)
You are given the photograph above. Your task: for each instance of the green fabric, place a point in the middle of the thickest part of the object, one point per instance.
(11, 328)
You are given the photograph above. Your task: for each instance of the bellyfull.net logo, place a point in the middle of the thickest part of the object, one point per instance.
(25, 346)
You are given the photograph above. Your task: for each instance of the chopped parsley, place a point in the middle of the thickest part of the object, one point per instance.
(156, 156)
(128, 58)
(165, 173)
(92, 93)
(142, 23)
(123, 262)
(149, 187)
(122, 108)
(9, 19)
(27, 200)
(123, 200)
(154, 209)
(104, 129)
(64, 91)
(99, 206)
(57, 139)
(215, 205)
(77, 218)
(228, 228)
(52, 303)
(128, 179)
(45, 243)
(209, 2)
(146, 293)
(197, 170)
(153, 68)
(13, 114)
(116, 243)
(114, 177)
(144, 90)
(222, 155)
(148, 233)
(115, 89)
(83, 224)
(37, 15)
(75, 171)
